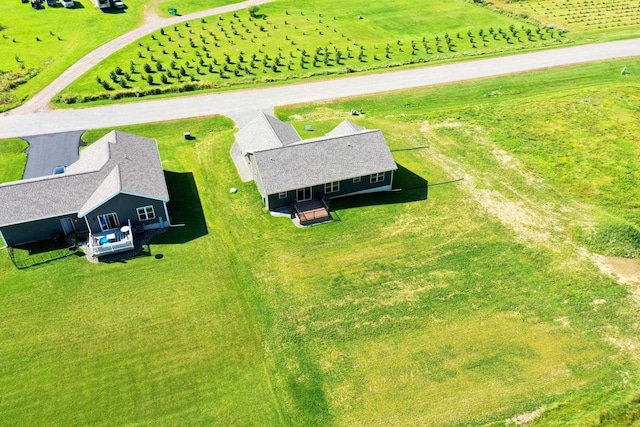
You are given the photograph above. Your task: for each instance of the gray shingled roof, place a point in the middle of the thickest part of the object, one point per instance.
(321, 160)
(117, 162)
(265, 132)
(347, 127)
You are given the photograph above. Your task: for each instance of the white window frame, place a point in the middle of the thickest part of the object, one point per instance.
(377, 177)
(114, 218)
(332, 187)
(357, 179)
(146, 213)
(283, 194)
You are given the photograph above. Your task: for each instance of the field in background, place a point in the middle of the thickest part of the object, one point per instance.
(38, 45)
(287, 40)
(35, 54)
(472, 306)
(591, 19)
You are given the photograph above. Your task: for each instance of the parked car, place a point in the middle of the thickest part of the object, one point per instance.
(52, 3)
(67, 3)
(118, 3)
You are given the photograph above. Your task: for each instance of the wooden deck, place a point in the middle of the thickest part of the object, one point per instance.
(311, 211)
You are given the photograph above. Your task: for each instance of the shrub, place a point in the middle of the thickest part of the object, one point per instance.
(253, 11)
(615, 239)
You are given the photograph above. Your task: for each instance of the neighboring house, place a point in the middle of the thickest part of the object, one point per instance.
(289, 171)
(116, 186)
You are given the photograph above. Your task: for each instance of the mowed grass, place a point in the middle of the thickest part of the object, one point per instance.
(188, 6)
(290, 40)
(48, 40)
(600, 19)
(406, 310)
(12, 159)
(38, 45)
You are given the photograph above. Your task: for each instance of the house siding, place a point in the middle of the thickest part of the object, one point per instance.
(347, 186)
(125, 205)
(34, 231)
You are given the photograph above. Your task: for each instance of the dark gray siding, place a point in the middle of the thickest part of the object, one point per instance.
(275, 202)
(38, 230)
(125, 206)
(347, 186)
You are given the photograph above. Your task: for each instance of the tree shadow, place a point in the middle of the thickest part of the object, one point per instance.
(185, 208)
(407, 187)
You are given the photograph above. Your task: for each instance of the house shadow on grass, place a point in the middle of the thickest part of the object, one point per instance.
(407, 187)
(184, 208)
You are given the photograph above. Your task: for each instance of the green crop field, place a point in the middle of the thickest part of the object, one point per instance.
(477, 305)
(290, 40)
(590, 18)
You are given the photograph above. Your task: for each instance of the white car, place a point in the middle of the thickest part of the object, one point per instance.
(118, 4)
(67, 3)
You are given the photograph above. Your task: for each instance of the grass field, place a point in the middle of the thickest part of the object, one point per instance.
(470, 307)
(38, 45)
(290, 40)
(46, 41)
(589, 18)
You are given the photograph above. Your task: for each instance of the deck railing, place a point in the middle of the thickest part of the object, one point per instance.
(123, 243)
(310, 215)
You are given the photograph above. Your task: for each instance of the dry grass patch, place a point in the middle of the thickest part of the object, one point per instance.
(455, 371)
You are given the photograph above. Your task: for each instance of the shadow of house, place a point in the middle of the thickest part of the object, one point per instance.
(407, 187)
(185, 208)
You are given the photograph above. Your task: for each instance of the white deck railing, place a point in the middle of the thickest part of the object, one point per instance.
(123, 242)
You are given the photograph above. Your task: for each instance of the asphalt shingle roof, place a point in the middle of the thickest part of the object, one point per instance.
(117, 162)
(325, 159)
(265, 132)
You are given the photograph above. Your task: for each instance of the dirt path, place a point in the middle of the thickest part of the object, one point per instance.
(152, 22)
(534, 219)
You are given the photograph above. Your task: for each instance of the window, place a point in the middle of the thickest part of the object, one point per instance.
(282, 195)
(356, 179)
(108, 221)
(377, 177)
(332, 187)
(146, 213)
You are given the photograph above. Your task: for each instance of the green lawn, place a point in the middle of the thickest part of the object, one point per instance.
(38, 45)
(48, 40)
(446, 310)
(12, 159)
(188, 6)
(292, 40)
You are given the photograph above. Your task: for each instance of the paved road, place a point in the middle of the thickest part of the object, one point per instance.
(40, 101)
(231, 103)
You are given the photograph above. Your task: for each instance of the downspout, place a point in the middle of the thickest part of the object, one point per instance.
(90, 239)
(166, 212)
(391, 183)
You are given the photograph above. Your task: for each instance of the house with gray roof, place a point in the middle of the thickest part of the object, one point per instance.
(116, 186)
(296, 175)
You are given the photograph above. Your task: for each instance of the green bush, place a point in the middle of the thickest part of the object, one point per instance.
(614, 239)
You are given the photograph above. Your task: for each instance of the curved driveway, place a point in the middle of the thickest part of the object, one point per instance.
(40, 101)
(230, 103)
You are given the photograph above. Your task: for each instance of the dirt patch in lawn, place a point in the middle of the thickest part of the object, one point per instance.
(495, 182)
